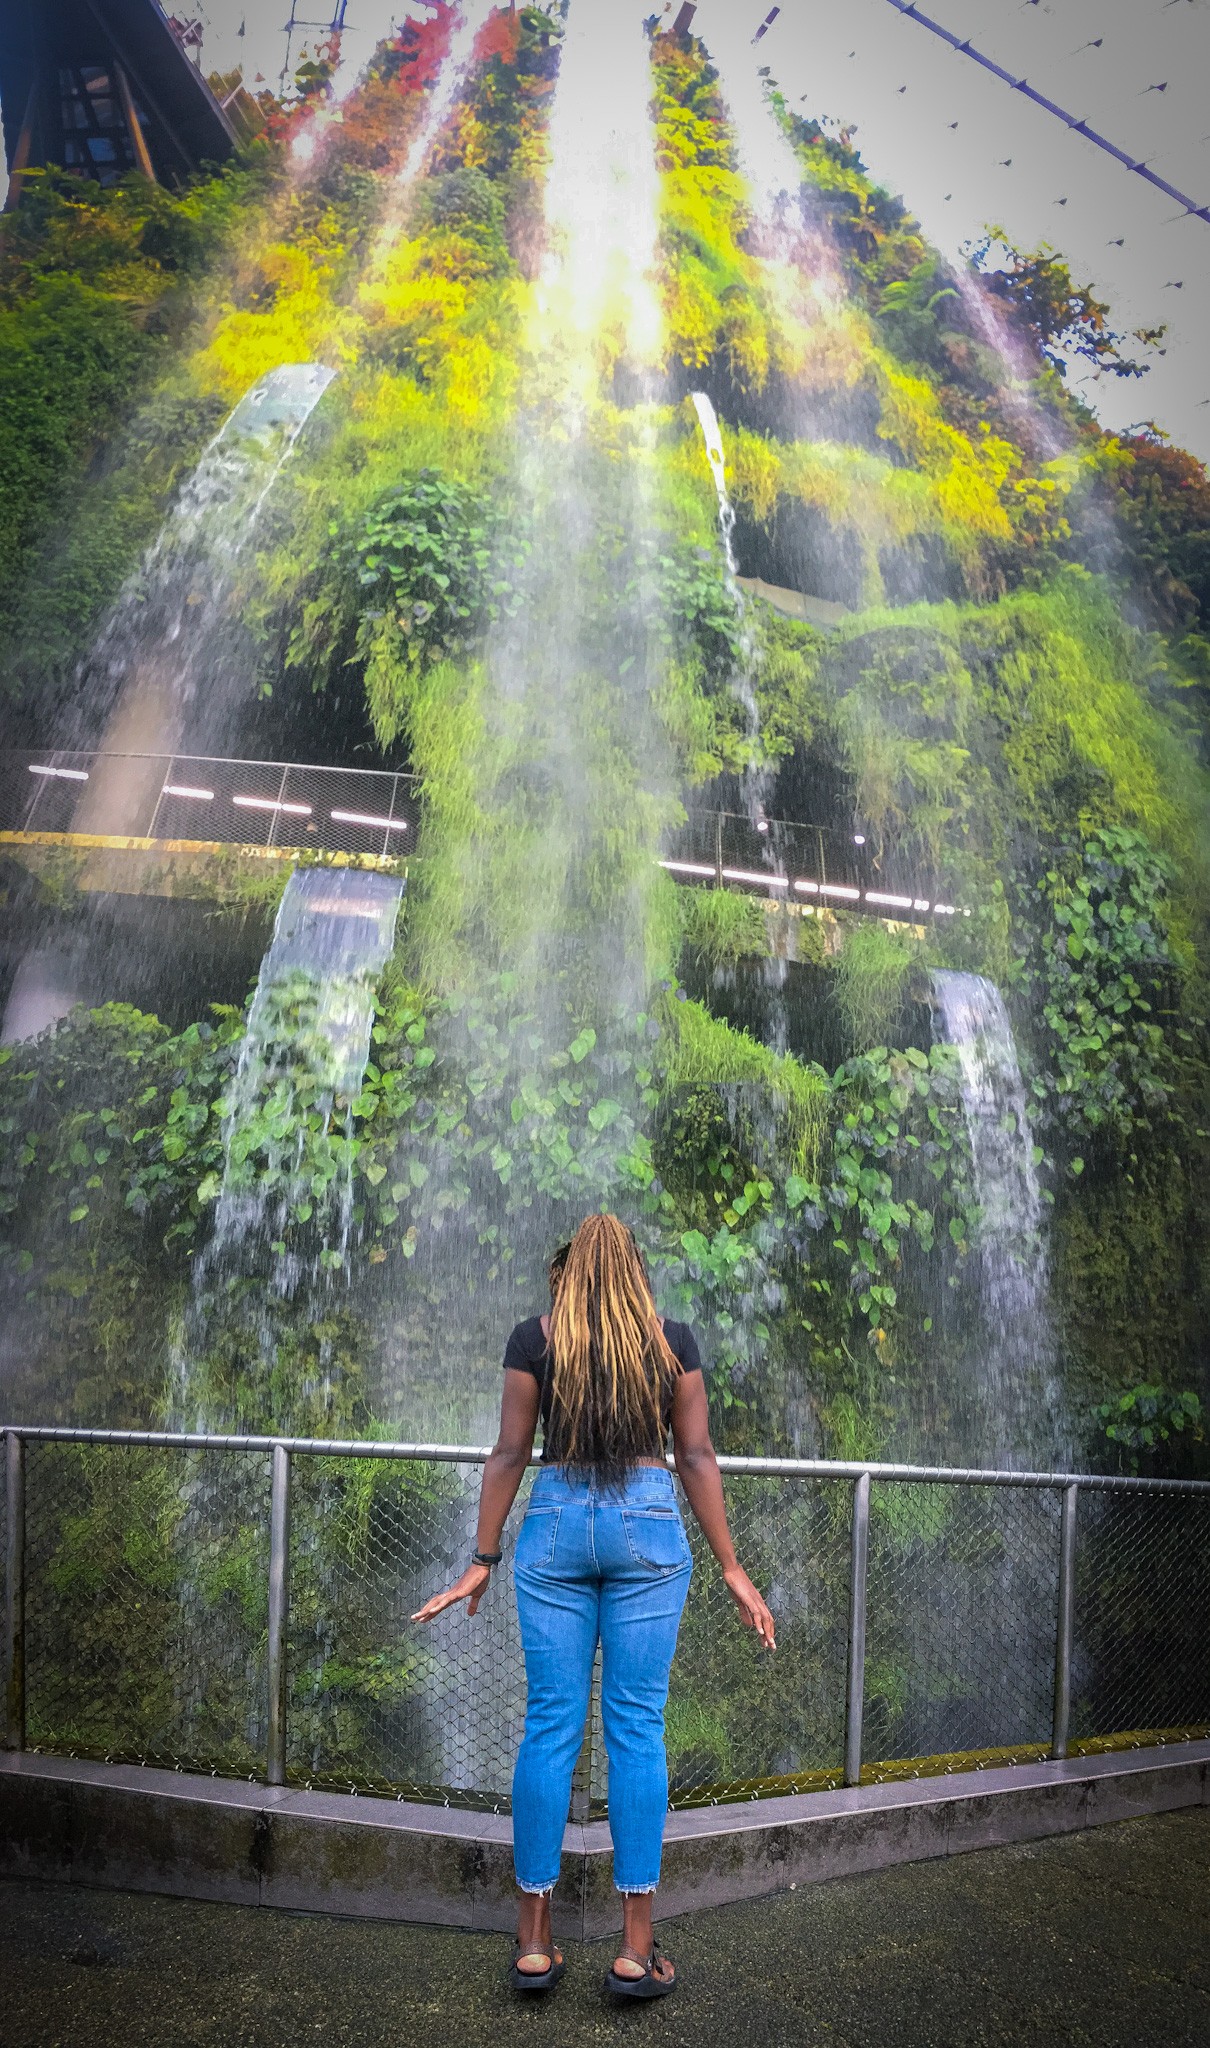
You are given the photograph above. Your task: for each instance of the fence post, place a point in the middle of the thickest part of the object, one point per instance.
(14, 1593)
(855, 1687)
(1065, 1627)
(718, 849)
(279, 1609)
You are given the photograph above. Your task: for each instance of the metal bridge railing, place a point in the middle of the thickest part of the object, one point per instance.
(370, 812)
(198, 798)
(811, 866)
(241, 1605)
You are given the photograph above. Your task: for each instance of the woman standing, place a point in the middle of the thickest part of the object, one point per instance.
(601, 1557)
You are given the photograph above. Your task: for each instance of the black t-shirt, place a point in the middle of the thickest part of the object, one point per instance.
(526, 1351)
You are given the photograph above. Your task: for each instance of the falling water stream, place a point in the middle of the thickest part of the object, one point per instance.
(163, 660)
(303, 1057)
(1016, 1345)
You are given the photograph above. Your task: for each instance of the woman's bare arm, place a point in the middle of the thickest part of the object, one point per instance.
(502, 1475)
(697, 1469)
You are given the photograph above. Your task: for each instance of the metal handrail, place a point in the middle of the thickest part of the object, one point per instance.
(477, 1454)
(282, 1449)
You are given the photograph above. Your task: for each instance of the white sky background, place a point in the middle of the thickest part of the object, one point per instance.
(907, 142)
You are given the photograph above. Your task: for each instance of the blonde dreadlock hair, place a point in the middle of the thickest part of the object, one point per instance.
(611, 1362)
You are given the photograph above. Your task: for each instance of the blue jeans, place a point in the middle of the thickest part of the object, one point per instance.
(597, 1565)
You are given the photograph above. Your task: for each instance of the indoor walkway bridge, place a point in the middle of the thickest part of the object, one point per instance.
(149, 824)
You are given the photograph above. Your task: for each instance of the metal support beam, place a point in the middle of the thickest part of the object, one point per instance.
(14, 1593)
(1065, 1626)
(1137, 164)
(23, 151)
(279, 1613)
(855, 1686)
(134, 127)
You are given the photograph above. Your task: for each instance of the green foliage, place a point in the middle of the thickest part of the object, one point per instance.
(1102, 974)
(723, 927)
(870, 976)
(698, 604)
(68, 357)
(1059, 318)
(1139, 1421)
(434, 548)
(96, 285)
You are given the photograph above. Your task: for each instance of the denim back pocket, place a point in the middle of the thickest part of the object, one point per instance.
(536, 1538)
(657, 1538)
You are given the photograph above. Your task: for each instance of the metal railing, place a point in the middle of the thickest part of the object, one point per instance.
(195, 798)
(375, 812)
(811, 866)
(240, 1605)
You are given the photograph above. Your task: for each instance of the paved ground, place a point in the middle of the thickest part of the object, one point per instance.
(1100, 1938)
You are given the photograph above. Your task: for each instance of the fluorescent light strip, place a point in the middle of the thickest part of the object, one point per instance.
(269, 803)
(808, 888)
(62, 774)
(686, 867)
(363, 818)
(197, 796)
(763, 881)
(837, 889)
(944, 910)
(892, 902)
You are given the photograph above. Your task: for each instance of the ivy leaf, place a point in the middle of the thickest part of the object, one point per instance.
(604, 1113)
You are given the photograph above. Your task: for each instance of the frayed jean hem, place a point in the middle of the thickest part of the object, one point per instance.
(537, 1891)
(636, 1891)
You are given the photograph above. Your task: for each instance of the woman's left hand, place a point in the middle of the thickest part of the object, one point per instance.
(471, 1587)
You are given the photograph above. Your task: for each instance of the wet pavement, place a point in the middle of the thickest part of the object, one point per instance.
(1100, 1938)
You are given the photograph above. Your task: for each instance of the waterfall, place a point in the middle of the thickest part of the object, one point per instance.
(165, 651)
(302, 1064)
(1016, 1352)
(169, 651)
(712, 435)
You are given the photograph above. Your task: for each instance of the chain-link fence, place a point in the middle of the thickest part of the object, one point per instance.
(243, 1607)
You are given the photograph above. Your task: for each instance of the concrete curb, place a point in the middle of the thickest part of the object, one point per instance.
(256, 1845)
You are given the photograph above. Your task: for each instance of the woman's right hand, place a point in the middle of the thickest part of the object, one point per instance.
(752, 1609)
(470, 1587)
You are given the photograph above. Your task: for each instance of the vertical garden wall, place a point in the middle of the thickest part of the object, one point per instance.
(493, 559)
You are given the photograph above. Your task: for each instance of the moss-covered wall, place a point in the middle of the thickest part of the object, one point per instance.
(1015, 705)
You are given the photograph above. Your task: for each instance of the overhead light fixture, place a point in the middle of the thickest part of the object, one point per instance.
(686, 867)
(364, 818)
(859, 838)
(197, 796)
(61, 774)
(764, 881)
(270, 803)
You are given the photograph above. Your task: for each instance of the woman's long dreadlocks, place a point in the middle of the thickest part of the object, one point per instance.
(612, 1365)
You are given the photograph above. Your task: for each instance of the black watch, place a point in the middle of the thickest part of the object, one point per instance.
(488, 1557)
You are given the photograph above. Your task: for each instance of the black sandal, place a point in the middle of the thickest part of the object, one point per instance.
(535, 1980)
(646, 1986)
